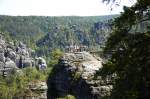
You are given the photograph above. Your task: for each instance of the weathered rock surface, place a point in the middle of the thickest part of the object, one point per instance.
(40, 88)
(74, 74)
(14, 55)
(41, 63)
(34, 90)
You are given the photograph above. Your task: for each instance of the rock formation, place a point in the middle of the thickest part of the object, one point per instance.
(16, 52)
(34, 90)
(74, 74)
(15, 55)
(41, 63)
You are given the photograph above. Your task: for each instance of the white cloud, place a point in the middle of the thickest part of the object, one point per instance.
(57, 7)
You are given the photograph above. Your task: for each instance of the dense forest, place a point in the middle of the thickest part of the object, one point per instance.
(44, 34)
(122, 72)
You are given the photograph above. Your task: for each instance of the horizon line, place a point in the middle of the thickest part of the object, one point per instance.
(58, 15)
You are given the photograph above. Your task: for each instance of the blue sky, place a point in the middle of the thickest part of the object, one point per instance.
(60, 7)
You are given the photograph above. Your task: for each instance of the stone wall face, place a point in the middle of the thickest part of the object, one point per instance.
(75, 75)
(14, 55)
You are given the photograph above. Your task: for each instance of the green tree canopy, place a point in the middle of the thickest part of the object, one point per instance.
(130, 58)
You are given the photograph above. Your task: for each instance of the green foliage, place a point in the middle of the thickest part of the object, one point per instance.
(45, 34)
(130, 54)
(76, 76)
(68, 97)
(55, 56)
(132, 67)
(15, 83)
(34, 74)
(11, 85)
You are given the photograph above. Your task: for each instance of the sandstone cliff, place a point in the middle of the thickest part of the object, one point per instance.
(15, 55)
(74, 74)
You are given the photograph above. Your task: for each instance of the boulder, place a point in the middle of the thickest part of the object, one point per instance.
(28, 62)
(2, 65)
(1, 49)
(23, 52)
(10, 64)
(23, 62)
(22, 45)
(41, 63)
(2, 42)
(11, 55)
(2, 57)
(10, 45)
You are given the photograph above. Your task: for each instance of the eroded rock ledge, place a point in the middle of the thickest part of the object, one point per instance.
(15, 55)
(74, 74)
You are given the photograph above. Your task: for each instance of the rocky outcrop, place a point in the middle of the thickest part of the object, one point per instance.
(34, 90)
(74, 74)
(41, 63)
(40, 88)
(14, 55)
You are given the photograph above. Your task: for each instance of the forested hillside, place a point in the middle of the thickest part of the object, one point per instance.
(57, 57)
(47, 33)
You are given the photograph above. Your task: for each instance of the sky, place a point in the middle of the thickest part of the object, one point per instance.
(60, 7)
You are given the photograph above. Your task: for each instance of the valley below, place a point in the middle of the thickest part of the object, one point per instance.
(52, 57)
(72, 57)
